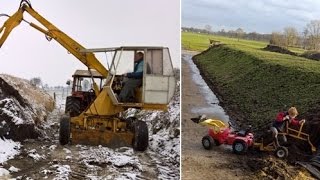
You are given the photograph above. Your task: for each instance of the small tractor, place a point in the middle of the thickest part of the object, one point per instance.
(219, 133)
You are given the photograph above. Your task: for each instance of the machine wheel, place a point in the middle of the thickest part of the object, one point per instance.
(141, 136)
(207, 142)
(281, 152)
(217, 143)
(64, 131)
(72, 106)
(239, 147)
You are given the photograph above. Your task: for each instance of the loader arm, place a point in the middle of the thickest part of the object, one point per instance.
(51, 32)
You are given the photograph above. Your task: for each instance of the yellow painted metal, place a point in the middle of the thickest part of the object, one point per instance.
(10, 24)
(103, 105)
(98, 137)
(100, 130)
(214, 124)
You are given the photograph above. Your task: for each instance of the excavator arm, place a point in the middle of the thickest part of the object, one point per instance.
(51, 32)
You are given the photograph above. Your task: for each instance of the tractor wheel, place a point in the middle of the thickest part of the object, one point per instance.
(64, 131)
(239, 147)
(72, 106)
(207, 142)
(141, 136)
(217, 143)
(281, 152)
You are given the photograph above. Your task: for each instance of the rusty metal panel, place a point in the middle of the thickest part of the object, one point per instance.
(101, 137)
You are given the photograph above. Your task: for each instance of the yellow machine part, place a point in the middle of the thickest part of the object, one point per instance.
(98, 137)
(214, 124)
(100, 130)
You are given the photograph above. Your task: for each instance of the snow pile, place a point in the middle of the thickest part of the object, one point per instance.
(164, 136)
(12, 109)
(34, 155)
(8, 149)
(4, 173)
(23, 108)
(118, 162)
(62, 171)
(14, 169)
(120, 157)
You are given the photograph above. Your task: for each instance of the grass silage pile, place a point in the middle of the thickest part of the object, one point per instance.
(23, 108)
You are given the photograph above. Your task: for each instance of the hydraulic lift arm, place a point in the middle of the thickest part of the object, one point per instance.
(51, 32)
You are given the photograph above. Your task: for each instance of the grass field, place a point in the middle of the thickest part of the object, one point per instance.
(200, 42)
(256, 83)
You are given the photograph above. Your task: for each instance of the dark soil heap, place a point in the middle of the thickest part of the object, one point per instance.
(278, 49)
(23, 108)
(315, 55)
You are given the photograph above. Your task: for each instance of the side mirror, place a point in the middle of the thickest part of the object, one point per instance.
(68, 82)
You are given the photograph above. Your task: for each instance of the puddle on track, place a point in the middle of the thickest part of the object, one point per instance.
(212, 109)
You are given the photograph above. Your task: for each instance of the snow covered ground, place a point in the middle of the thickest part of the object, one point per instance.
(8, 149)
(44, 158)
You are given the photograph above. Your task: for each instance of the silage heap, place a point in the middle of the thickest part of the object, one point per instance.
(23, 108)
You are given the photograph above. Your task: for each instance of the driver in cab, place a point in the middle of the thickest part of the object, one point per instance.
(134, 79)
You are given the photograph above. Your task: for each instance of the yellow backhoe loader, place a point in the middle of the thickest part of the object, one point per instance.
(95, 120)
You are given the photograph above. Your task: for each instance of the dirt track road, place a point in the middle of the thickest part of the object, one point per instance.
(220, 163)
(198, 163)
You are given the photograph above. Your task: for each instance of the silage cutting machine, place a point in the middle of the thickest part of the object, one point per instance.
(242, 140)
(93, 115)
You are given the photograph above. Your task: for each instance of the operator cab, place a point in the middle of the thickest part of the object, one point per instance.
(158, 81)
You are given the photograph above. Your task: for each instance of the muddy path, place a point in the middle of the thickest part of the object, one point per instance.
(44, 158)
(219, 163)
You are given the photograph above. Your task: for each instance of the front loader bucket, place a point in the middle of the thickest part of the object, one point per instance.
(96, 137)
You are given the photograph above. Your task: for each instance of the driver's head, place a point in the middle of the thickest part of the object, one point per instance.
(138, 56)
(293, 112)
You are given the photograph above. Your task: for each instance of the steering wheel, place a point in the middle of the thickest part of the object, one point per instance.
(91, 90)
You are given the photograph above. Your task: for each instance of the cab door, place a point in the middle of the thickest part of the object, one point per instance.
(158, 80)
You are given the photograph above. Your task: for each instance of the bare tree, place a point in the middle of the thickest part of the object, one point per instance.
(291, 36)
(305, 42)
(313, 30)
(277, 39)
(36, 81)
(208, 28)
(239, 33)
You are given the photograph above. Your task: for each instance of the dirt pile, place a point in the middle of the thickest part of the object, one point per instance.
(278, 49)
(22, 108)
(315, 55)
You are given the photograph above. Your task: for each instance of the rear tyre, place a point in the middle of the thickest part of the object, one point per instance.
(72, 106)
(207, 142)
(141, 136)
(281, 152)
(239, 147)
(64, 131)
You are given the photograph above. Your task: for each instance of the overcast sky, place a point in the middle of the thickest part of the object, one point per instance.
(94, 24)
(262, 16)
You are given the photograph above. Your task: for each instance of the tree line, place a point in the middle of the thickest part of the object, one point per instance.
(308, 39)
